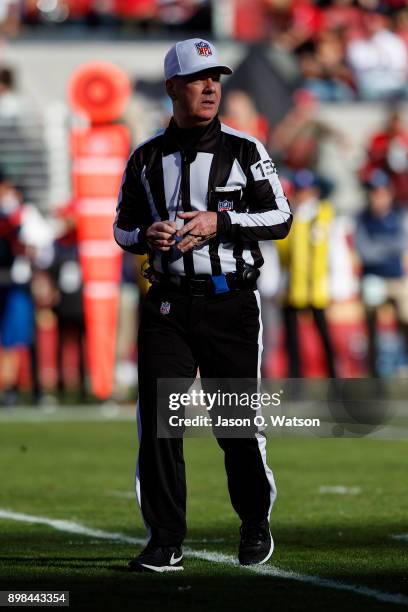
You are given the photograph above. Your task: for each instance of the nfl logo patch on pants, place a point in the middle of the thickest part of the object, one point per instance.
(165, 308)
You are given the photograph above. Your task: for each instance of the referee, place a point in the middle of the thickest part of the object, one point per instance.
(198, 197)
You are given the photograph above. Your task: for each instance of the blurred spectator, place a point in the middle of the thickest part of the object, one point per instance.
(68, 306)
(381, 242)
(9, 17)
(402, 25)
(135, 9)
(194, 14)
(17, 323)
(240, 113)
(176, 12)
(296, 141)
(379, 60)
(324, 71)
(23, 146)
(340, 42)
(293, 24)
(343, 16)
(305, 257)
(388, 150)
(12, 105)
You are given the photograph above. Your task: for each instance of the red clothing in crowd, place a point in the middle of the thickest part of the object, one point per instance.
(388, 150)
(135, 8)
(307, 18)
(259, 128)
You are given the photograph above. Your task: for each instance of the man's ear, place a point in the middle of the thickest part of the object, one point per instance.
(171, 89)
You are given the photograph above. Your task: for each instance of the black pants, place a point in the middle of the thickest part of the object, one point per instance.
(221, 335)
(290, 315)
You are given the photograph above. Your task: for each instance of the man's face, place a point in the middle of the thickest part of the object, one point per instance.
(196, 97)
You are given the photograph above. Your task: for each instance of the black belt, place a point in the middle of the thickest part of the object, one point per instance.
(201, 285)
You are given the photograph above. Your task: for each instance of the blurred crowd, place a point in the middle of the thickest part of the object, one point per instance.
(21, 16)
(329, 257)
(355, 264)
(345, 49)
(342, 49)
(40, 284)
(335, 291)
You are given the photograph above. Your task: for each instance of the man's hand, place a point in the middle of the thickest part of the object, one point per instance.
(201, 227)
(160, 234)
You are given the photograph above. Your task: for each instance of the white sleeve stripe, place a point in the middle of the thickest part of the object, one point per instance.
(125, 238)
(268, 218)
(280, 199)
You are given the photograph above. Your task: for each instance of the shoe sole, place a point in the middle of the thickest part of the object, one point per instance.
(268, 556)
(143, 567)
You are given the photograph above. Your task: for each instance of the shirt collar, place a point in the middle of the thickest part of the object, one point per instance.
(196, 139)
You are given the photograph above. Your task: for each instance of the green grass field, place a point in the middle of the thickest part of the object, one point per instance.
(82, 471)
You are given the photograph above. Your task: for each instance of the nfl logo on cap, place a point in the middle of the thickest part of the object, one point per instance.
(190, 56)
(203, 48)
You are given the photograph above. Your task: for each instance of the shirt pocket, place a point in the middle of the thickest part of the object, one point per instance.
(225, 199)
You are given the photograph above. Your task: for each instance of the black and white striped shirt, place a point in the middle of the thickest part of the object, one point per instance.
(213, 168)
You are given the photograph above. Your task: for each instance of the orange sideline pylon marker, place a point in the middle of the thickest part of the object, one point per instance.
(99, 91)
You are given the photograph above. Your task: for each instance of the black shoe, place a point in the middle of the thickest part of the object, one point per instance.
(256, 545)
(158, 559)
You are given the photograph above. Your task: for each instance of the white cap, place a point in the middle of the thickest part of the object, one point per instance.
(190, 56)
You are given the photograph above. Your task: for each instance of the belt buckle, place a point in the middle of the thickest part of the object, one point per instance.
(198, 286)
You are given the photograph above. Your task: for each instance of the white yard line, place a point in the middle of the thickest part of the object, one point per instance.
(212, 557)
(74, 414)
(122, 494)
(400, 536)
(70, 527)
(270, 570)
(340, 490)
